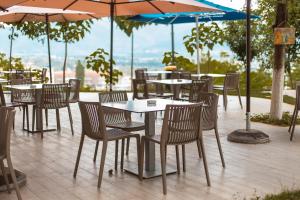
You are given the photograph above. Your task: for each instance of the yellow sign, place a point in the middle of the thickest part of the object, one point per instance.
(284, 36)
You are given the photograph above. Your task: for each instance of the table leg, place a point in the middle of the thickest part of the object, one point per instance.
(21, 179)
(149, 146)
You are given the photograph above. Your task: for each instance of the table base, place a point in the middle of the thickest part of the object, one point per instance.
(37, 131)
(132, 168)
(21, 179)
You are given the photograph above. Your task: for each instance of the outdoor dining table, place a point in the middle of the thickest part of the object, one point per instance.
(149, 107)
(14, 72)
(37, 88)
(175, 83)
(212, 75)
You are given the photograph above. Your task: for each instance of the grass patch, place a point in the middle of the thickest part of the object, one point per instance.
(265, 118)
(285, 195)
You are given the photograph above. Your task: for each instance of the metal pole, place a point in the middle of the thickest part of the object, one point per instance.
(48, 42)
(173, 44)
(197, 44)
(248, 67)
(10, 48)
(112, 10)
(132, 55)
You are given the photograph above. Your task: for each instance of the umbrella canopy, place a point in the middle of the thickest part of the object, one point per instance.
(112, 8)
(20, 14)
(224, 14)
(4, 4)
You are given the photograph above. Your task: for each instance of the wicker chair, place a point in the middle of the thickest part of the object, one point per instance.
(19, 74)
(140, 74)
(93, 126)
(210, 83)
(55, 97)
(181, 125)
(295, 113)
(74, 90)
(191, 94)
(6, 122)
(140, 89)
(118, 119)
(231, 83)
(210, 117)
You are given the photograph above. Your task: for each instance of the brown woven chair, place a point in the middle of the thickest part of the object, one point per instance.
(231, 83)
(140, 74)
(55, 97)
(74, 90)
(7, 116)
(210, 117)
(140, 89)
(181, 125)
(93, 126)
(295, 113)
(191, 94)
(210, 83)
(119, 119)
(19, 74)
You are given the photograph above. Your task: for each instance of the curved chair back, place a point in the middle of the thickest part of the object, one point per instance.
(19, 74)
(74, 90)
(140, 89)
(210, 83)
(7, 115)
(93, 124)
(181, 124)
(140, 74)
(55, 96)
(210, 110)
(232, 81)
(196, 87)
(114, 116)
(175, 75)
(22, 96)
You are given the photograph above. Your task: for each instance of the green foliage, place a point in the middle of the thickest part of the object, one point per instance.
(127, 26)
(266, 119)
(80, 72)
(285, 195)
(15, 64)
(180, 61)
(97, 61)
(209, 36)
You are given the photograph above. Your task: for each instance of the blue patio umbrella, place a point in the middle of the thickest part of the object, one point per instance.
(225, 14)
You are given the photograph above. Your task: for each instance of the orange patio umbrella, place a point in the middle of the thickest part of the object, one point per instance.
(112, 8)
(20, 14)
(4, 4)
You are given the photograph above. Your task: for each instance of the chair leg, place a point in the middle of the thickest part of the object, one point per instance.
(293, 118)
(199, 149)
(27, 117)
(103, 154)
(138, 150)
(220, 147)
(33, 117)
(239, 95)
(163, 168)
(96, 151)
(177, 159)
(116, 154)
(183, 158)
(46, 116)
(5, 175)
(294, 124)
(78, 155)
(127, 146)
(13, 176)
(204, 161)
(41, 124)
(225, 99)
(24, 112)
(141, 164)
(71, 119)
(57, 120)
(122, 153)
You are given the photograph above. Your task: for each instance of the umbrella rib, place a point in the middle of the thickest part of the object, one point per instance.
(72, 3)
(99, 2)
(149, 1)
(3, 9)
(23, 18)
(92, 16)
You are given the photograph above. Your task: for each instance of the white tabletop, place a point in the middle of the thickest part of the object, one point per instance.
(142, 106)
(25, 86)
(171, 81)
(158, 72)
(212, 75)
(14, 71)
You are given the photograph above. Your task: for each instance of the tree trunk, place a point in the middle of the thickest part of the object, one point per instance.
(65, 62)
(279, 63)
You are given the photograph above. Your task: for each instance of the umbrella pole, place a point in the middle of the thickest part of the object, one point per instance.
(48, 43)
(173, 44)
(248, 135)
(132, 55)
(112, 10)
(10, 48)
(197, 45)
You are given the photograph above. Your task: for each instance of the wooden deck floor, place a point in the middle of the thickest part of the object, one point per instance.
(260, 169)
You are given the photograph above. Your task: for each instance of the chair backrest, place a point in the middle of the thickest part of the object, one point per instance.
(6, 123)
(22, 95)
(113, 116)
(140, 89)
(55, 96)
(232, 81)
(210, 110)
(93, 124)
(186, 75)
(2, 98)
(181, 124)
(74, 90)
(210, 83)
(140, 74)
(297, 104)
(44, 75)
(196, 88)
(175, 75)
(19, 74)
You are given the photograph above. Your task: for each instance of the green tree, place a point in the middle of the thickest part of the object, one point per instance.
(128, 26)
(98, 61)
(180, 62)
(80, 72)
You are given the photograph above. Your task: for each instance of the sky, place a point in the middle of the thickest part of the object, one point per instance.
(150, 41)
